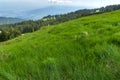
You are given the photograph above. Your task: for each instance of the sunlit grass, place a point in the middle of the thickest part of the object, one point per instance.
(82, 49)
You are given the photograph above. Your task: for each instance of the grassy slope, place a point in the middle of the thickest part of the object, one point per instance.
(82, 49)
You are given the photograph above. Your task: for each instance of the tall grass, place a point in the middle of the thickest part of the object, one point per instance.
(82, 49)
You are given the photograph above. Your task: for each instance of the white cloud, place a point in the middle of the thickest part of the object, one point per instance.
(60, 1)
(34, 4)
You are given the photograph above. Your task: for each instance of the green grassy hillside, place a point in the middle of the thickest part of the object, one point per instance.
(82, 49)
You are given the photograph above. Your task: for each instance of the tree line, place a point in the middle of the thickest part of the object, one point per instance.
(10, 31)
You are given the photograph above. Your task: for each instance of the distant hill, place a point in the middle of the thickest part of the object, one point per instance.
(9, 20)
(50, 10)
(39, 13)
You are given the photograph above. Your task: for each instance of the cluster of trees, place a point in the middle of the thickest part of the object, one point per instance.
(9, 34)
(13, 30)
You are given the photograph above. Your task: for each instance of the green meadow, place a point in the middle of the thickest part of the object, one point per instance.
(87, 48)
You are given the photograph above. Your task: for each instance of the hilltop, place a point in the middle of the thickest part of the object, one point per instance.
(83, 49)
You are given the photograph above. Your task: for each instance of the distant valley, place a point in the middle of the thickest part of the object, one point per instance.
(9, 20)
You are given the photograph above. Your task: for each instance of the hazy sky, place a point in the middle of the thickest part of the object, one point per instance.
(34, 4)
